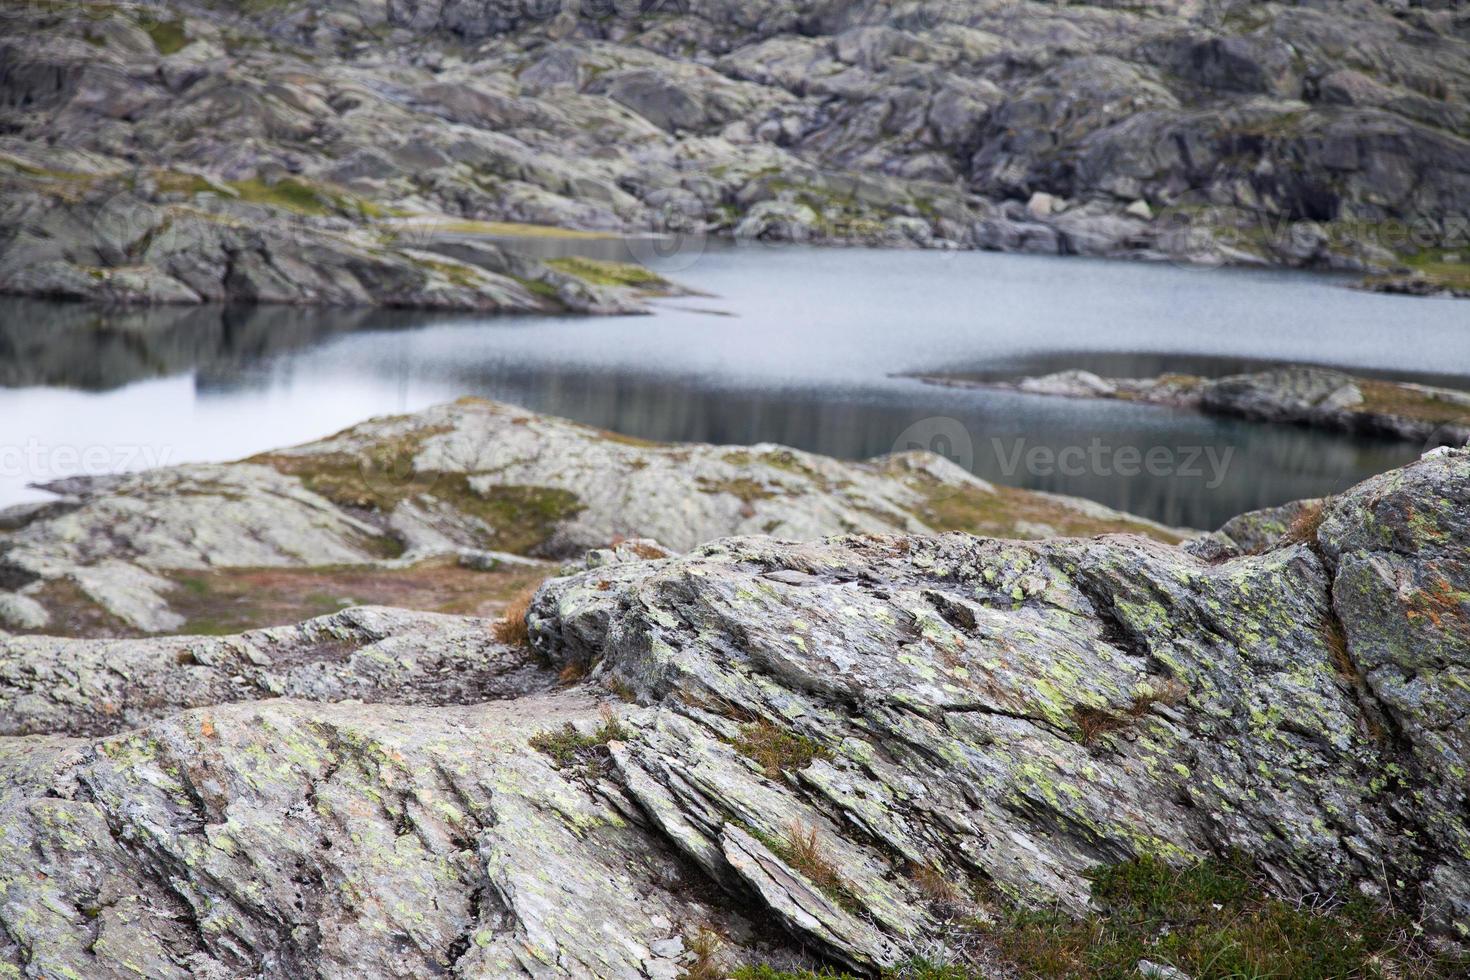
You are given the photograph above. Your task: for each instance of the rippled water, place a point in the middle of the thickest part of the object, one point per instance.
(806, 347)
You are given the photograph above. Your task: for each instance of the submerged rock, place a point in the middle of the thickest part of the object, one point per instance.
(785, 745)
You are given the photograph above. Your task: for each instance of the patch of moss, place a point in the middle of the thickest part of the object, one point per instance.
(1388, 398)
(963, 508)
(516, 518)
(1211, 920)
(568, 747)
(501, 229)
(287, 193)
(168, 35)
(746, 489)
(620, 274)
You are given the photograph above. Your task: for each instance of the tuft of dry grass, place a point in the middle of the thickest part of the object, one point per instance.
(776, 750)
(1303, 527)
(511, 629)
(801, 849)
(937, 889)
(1094, 723)
(572, 672)
(706, 945)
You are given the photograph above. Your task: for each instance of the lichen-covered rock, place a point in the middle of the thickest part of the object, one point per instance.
(786, 744)
(372, 655)
(178, 151)
(999, 710)
(476, 478)
(1298, 395)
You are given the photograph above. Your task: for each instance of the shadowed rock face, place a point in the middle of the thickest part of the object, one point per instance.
(474, 479)
(1005, 711)
(187, 151)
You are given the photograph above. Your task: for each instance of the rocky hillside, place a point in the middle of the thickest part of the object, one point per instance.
(320, 152)
(382, 506)
(855, 751)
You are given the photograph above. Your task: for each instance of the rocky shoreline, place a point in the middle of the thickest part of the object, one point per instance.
(1309, 396)
(852, 750)
(185, 151)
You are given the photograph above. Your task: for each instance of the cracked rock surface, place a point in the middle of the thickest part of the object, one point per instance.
(1005, 712)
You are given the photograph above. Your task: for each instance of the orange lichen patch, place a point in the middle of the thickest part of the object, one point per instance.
(1439, 602)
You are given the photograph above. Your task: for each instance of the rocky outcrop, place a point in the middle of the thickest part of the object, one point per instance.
(295, 147)
(788, 746)
(1311, 396)
(476, 480)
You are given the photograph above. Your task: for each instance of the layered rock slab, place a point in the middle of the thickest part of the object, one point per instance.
(475, 479)
(1005, 714)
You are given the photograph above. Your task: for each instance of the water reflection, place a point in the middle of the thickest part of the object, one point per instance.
(814, 353)
(77, 345)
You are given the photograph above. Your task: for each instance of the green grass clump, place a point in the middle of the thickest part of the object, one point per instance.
(567, 746)
(168, 35)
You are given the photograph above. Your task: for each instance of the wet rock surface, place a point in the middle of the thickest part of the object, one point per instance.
(314, 153)
(999, 712)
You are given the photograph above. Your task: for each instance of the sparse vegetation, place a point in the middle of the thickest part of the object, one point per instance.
(568, 747)
(602, 273)
(516, 518)
(777, 750)
(1303, 527)
(1212, 921)
(800, 848)
(511, 628)
(168, 35)
(1094, 723)
(706, 947)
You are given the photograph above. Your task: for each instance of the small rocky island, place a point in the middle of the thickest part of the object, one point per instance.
(1297, 395)
(756, 719)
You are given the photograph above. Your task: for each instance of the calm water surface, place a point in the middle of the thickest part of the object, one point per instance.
(806, 347)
